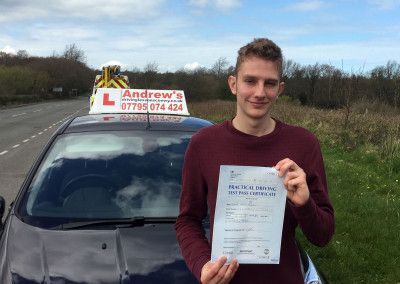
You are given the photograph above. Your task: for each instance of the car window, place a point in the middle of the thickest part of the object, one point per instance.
(115, 174)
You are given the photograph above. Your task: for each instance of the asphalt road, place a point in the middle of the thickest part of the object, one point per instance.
(24, 131)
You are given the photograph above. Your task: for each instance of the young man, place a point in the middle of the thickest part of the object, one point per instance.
(254, 138)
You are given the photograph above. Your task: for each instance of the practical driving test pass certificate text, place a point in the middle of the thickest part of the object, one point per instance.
(249, 215)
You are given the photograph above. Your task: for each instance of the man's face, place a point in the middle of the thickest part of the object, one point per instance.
(256, 86)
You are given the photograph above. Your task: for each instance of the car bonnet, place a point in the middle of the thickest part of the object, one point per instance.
(147, 254)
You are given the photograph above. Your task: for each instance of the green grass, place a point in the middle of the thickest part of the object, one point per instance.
(366, 198)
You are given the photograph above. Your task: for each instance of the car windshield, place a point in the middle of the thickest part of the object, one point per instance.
(108, 175)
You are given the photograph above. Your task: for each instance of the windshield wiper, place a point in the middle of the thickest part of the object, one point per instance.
(137, 221)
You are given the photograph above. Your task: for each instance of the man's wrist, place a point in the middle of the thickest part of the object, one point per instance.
(197, 268)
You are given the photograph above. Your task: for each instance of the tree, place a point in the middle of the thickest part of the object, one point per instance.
(294, 77)
(313, 75)
(150, 74)
(151, 67)
(74, 53)
(290, 69)
(220, 66)
(386, 82)
(22, 54)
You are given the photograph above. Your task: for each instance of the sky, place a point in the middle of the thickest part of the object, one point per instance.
(354, 36)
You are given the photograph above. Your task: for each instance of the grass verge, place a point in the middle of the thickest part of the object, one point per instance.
(366, 199)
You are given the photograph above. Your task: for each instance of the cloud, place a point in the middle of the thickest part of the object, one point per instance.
(133, 44)
(385, 4)
(199, 3)
(289, 33)
(12, 12)
(123, 10)
(306, 6)
(63, 33)
(227, 4)
(8, 49)
(114, 62)
(129, 9)
(171, 48)
(192, 66)
(223, 5)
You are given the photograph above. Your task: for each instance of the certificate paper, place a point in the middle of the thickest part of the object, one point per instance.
(249, 215)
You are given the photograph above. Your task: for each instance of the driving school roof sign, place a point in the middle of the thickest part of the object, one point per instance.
(111, 100)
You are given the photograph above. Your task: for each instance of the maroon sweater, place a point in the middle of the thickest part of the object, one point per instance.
(222, 144)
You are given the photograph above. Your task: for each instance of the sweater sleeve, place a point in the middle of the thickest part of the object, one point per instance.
(193, 243)
(316, 217)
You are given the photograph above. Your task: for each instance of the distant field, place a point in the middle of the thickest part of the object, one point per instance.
(362, 160)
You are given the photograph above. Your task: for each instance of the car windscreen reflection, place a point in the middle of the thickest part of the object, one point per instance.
(107, 175)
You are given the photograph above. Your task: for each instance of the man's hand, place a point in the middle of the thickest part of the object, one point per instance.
(294, 181)
(218, 272)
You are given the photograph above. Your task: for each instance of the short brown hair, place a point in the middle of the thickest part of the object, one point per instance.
(263, 48)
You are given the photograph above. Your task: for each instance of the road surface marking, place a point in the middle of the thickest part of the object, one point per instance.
(26, 140)
(15, 146)
(15, 115)
(40, 133)
(33, 136)
(2, 153)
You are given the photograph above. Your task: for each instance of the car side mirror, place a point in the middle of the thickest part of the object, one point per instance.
(2, 208)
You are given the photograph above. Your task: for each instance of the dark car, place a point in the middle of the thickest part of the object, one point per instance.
(100, 203)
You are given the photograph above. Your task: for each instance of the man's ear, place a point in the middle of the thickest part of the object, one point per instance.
(281, 88)
(232, 84)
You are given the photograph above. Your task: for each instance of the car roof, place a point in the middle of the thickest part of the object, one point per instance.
(151, 122)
